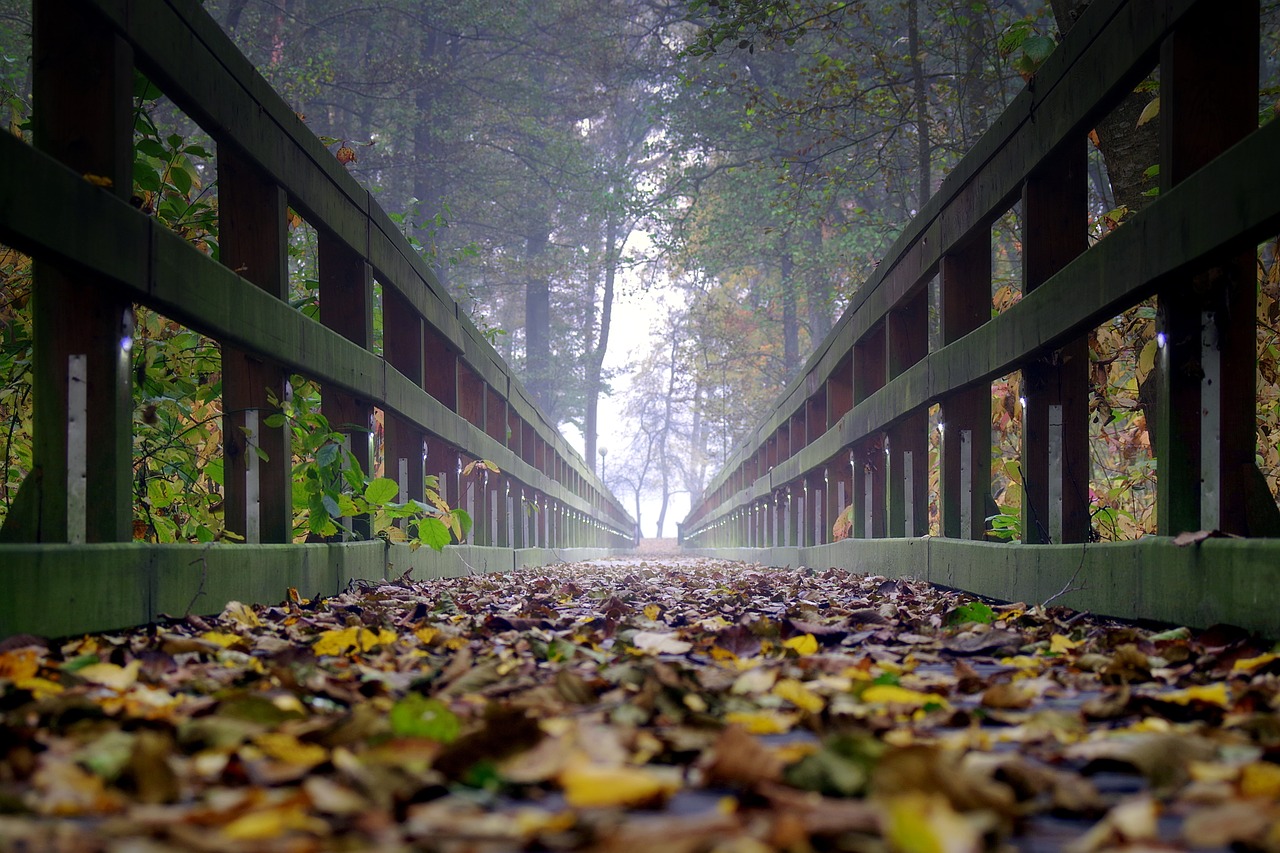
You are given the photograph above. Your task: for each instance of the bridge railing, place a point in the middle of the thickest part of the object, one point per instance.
(853, 429)
(447, 397)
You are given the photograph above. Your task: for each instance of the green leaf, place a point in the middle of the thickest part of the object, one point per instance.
(273, 421)
(974, 611)
(417, 716)
(1038, 48)
(152, 148)
(464, 523)
(381, 490)
(327, 455)
(433, 533)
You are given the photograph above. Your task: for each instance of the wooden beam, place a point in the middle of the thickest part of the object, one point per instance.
(79, 490)
(257, 459)
(966, 413)
(908, 344)
(346, 306)
(1206, 422)
(1055, 440)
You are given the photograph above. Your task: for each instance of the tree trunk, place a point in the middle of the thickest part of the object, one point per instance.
(790, 317)
(924, 145)
(1128, 150)
(537, 323)
(595, 361)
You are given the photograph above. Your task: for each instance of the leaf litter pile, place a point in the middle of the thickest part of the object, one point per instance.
(689, 705)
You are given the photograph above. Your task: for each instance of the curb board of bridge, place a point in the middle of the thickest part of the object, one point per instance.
(63, 590)
(1219, 580)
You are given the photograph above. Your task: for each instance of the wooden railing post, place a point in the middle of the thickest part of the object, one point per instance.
(251, 220)
(78, 490)
(402, 347)
(966, 414)
(1055, 439)
(346, 306)
(869, 370)
(908, 332)
(1207, 478)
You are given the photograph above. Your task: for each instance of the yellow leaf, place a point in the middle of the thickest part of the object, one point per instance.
(110, 675)
(19, 664)
(1149, 112)
(341, 640)
(762, 722)
(652, 611)
(891, 694)
(926, 823)
(589, 785)
(99, 180)
(271, 823)
(287, 748)
(242, 613)
(719, 654)
(40, 688)
(426, 635)
(223, 639)
(805, 644)
(1251, 664)
(1260, 779)
(1212, 694)
(799, 695)
(1060, 643)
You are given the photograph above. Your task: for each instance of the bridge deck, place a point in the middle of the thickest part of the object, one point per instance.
(638, 704)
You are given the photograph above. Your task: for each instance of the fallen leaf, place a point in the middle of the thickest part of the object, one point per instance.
(660, 644)
(589, 785)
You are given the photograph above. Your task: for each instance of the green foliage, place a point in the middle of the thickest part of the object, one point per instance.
(177, 428)
(973, 611)
(331, 489)
(417, 716)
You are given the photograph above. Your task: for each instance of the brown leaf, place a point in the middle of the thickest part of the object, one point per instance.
(974, 643)
(739, 758)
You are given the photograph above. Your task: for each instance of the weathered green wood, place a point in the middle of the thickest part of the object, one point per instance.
(1055, 390)
(252, 216)
(79, 491)
(965, 283)
(346, 306)
(1205, 422)
(64, 590)
(198, 66)
(184, 284)
(1218, 581)
(1111, 47)
(908, 344)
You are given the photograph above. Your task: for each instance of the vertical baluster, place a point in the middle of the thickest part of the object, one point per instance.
(908, 342)
(346, 306)
(966, 304)
(1205, 426)
(83, 328)
(251, 221)
(1054, 213)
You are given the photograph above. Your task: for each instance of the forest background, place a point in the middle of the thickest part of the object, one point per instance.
(654, 209)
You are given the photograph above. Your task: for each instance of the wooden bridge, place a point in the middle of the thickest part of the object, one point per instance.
(447, 397)
(852, 430)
